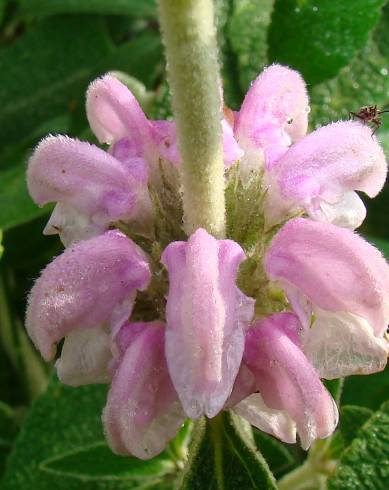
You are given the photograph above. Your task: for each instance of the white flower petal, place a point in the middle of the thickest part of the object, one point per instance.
(340, 344)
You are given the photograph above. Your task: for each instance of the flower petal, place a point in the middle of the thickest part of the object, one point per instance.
(90, 283)
(93, 187)
(349, 212)
(205, 337)
(275, 422)
(232, 151)
(85, 357)
(71, 225)
(285, 378)
(143, 411)
(114, 113)
(334, 268)
(274, 113)
(278, 94)
(165, 137)
(322, 168)
(244, 386)
(340, 344)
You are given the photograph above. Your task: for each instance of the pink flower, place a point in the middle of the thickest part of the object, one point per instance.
(291, 396)
(316, 174)
(205, 314)
(338, 285)
(92, 284)
(274, 114)
(143, 411)
(114, 115)
(320, 173)
(210, 347)
(92, 188)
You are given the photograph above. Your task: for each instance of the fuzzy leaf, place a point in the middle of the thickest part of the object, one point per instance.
(368, 391)
(352, 419)
(97, 462)
(319, 37)
(247, 32)
(51, 87)
(61, 447)
(365, 464)
(16, 206)
(232, 93)
(277, 455)
(222, 457)
(363, 82)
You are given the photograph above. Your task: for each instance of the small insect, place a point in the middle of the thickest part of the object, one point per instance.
(369, 114)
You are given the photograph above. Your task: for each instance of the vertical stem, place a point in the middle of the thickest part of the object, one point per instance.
(189, 35)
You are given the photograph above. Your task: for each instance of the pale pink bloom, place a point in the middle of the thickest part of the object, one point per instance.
(319, 174)
(338, 284)
(92, 283)
(291, 396)
(208, 356)
(316, 174)
(91, 187)
(143, 411)
(206, 315)
(114, 114)
(274, 114)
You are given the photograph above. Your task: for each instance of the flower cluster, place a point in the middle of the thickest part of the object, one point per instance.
(189, 326)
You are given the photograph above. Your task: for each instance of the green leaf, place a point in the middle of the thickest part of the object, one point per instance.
(60, 446)
(277, 456)
(45, 71)
(381, 33)
(232, 93)
(222, 457)
(351, 420)
(319, 37)
(97, 462)
(367, 391)
(2, 8)
(365, 464)
(136, 8)
(247, 32)
(140, 57)
(16, 206)
(8, 426)
(335, 387)
(364, 82)
(8, 431)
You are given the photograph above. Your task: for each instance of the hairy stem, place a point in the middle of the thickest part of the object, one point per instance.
(189, 35)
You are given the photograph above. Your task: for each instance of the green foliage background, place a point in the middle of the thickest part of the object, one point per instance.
(49, 52)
